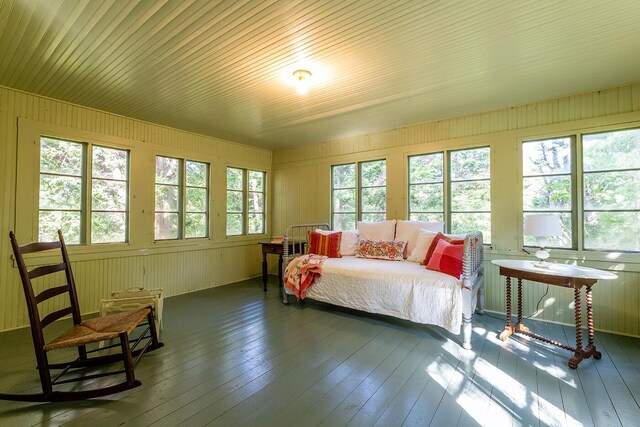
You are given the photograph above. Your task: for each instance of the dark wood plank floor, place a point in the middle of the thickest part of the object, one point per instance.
(237, 356)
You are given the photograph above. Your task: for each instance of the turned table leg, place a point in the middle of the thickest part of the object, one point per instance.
(508, 329)
(579, 352)
(519, 326)
(591, 347)
(264, 271)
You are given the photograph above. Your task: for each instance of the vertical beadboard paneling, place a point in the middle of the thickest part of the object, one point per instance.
(616, 302)
(183, 269)
(294, 191)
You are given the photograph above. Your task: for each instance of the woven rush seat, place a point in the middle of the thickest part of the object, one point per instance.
(98, 329)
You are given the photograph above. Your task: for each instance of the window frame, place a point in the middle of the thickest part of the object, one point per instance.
(576, 186)
(358, 190)
(87, 184)
(446, 186)
(182, 198)
(577, 180)
(245, 201)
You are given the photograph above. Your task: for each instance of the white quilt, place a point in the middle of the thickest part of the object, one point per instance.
(396, 288)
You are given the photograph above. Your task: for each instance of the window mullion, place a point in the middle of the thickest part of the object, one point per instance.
(87, 185)
(577, 203)
(358, 192)
(446, 191)
(245, 201)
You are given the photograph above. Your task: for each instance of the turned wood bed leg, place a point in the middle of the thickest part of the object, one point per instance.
(480, 305)
(466, 332)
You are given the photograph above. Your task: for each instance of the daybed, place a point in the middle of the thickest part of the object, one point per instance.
(401, 289)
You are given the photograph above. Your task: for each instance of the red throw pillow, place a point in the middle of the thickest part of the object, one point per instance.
(447, 258)
(434, 243)
(325, 244)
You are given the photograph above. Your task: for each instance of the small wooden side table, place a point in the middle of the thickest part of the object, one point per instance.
(275, 249)
(567, 276)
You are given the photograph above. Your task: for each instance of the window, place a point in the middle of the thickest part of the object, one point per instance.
(596, 196)
(426, 187)
(610, 182)
(465, 203)
(256, 202)
(547, 185)
(358, 192)
(470, 189)
(103, 216)
(182, 199)
(245, 201)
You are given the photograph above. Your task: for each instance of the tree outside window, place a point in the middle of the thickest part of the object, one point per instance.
(547, 185)
(358, 192)
(604, 180)
(181, 199)
(246, 201)
(465, 206)
(100, 218)
(610, 183)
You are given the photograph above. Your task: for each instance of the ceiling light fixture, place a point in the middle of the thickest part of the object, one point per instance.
(302, 80)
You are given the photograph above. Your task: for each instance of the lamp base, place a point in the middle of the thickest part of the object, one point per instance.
(542, 255)
(542, 264)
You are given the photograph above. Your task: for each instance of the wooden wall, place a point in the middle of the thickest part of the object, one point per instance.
(178, 267)
(302, 188)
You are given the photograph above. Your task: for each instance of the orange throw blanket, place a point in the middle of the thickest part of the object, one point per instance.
(302, 272)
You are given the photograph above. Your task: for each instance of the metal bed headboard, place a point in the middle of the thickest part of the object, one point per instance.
(296, 236)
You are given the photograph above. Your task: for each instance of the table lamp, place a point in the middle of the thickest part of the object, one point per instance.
(542, 226)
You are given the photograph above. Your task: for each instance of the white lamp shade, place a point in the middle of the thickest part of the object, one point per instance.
(542, 225)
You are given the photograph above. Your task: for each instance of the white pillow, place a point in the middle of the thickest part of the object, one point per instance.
(408, 231)
(348, 241)
(383, 230)
(423, 241)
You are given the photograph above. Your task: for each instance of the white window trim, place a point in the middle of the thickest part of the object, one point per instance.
(624, 259)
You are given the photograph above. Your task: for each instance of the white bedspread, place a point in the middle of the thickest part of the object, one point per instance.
(396, 288)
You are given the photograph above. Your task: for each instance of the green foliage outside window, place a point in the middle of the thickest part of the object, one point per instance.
(182, 199)
(611, 179)
(246, 201)
(610, 166)
(62, 183)
(468, 205)
(371, 184)
(426, 187)
(547, 185)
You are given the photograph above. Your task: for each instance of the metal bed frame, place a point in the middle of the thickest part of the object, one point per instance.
(472, 277)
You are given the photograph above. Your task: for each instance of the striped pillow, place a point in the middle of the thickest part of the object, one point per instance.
(325, 244)
(447, 258)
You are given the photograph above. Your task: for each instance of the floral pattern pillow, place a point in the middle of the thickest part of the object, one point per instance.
(381, 249)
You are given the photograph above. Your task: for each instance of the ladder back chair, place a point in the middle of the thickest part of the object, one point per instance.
(116, 326)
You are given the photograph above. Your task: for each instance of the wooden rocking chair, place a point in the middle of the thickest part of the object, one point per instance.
(119, 325)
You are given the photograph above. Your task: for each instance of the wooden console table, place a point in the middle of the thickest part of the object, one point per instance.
(567, 276)
(276, 249)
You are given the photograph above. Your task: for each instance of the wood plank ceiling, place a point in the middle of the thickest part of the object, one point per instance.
(223, 68)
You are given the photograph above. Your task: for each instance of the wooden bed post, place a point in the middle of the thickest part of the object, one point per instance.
(466, 332)
(480, 308)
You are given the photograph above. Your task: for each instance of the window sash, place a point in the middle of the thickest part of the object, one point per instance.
(247, 210)
(359, 211)
(87, 212)
(529, 241)
(182, 211)
(445, 170)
